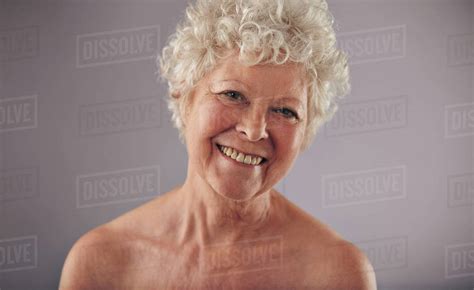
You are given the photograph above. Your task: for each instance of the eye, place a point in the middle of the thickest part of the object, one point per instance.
(287, 113)
(233, 95)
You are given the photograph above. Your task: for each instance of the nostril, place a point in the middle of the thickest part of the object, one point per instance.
(252, 137)
(252, 132)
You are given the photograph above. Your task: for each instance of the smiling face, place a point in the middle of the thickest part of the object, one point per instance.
(258, 114)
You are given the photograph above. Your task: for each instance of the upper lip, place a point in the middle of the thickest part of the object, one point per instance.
(244, 151)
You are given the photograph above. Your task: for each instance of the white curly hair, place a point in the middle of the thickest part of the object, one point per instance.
(263, 31)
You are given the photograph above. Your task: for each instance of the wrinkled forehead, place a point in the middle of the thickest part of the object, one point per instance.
(263, 80)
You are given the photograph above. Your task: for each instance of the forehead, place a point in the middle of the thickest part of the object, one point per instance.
(265, 80)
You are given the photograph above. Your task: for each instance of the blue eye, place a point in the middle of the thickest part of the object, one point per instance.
(287, 113)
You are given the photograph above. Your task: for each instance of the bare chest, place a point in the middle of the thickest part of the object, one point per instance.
(255, 264)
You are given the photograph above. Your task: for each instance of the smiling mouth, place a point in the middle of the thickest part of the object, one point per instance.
(253, 160)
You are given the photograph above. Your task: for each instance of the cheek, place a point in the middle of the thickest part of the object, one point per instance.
(288, 139)
(213, 117)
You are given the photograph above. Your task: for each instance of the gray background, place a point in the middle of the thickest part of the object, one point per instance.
(414, 225)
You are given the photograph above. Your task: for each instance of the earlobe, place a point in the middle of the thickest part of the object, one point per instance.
(183, 114)
(185, 106)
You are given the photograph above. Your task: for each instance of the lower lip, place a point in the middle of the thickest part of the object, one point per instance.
(234, 161)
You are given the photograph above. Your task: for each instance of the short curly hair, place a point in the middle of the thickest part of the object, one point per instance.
(263, 31)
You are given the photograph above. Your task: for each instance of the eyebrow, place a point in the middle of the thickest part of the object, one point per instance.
(229, 81)
(299, 103)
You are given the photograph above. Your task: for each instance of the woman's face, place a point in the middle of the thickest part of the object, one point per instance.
(259, 112)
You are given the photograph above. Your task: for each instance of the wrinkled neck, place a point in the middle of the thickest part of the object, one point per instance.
(210, 217)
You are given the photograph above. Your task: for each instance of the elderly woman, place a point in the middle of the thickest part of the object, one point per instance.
(250, 83)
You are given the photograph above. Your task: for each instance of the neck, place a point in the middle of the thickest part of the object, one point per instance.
(210, 217)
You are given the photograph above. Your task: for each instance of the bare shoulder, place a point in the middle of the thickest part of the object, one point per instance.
(347, 267)
(337, 262)
(90, 261)
(329, 261)
(108, 254)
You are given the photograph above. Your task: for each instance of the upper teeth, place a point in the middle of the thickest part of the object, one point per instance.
(239, 156)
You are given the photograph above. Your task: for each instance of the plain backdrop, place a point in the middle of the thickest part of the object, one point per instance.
(85, 134)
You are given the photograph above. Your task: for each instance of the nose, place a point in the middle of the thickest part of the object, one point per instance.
(253, 125)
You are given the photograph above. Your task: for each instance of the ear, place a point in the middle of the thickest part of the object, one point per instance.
(178, 99)
(185, 106)
(176, 94)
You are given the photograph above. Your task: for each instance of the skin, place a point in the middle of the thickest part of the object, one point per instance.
(200, 234)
